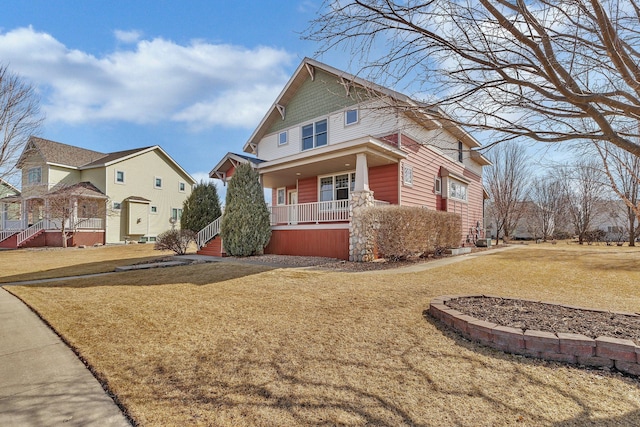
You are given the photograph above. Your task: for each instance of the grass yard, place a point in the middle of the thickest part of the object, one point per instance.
(41, 263)
(228, 344)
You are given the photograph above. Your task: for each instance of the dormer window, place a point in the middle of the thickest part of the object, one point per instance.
(34, 175)
(314, 135)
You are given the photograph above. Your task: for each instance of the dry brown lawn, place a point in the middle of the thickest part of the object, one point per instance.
(230, 345)
(41, 263)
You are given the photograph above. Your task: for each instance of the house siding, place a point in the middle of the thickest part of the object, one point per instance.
(383, 181)
(140, 172)
(308, 190)
(33, 159)
(326, 242)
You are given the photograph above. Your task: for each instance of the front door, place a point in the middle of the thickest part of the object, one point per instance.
(293, 207)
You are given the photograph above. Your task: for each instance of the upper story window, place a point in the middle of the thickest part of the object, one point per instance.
(34, 175)
(157, 182)
(314, 135)
(119, 177)
(460, 151)
(182, 187)
(283, 138)
(407, 175)
(350, 117)
(457, 190)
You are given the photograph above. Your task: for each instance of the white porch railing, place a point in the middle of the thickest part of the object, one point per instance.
(5, 234)
(80, 224)
(16, 225)
(30, 232)
(305, 213)
(209, 232)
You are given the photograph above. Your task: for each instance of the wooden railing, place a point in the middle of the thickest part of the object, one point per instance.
(5, 234)
(209, 232)
(78, 224)
(30, 232)
(310, 213)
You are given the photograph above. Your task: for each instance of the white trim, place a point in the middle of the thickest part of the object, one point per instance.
(314, 134)
(286, 138)
(407, 168)
(182, 183)
(333, 175)
(151, 212)
(437, 189)
(340, 226)
(113, 206)
(155, 182)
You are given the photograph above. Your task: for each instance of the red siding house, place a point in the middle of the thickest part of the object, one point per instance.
(330, 136)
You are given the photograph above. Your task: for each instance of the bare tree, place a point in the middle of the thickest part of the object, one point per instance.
(548, 70)
(19, 118)
(507, 182)
(623, 172)
(70, 207)
(546, 208)
(584, 195)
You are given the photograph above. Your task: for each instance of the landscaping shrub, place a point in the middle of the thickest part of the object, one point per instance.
(401, 231)
(175, 240)
(246, 227)
(201, 208)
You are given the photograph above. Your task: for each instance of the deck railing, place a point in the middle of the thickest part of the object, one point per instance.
(208, 233)
(80, 224)
(310, 213)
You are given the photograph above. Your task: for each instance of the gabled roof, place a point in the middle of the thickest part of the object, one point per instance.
(56, 153)
(60, 154)
(9, 186)
(83, 189)
(229, 160)
(417, 110)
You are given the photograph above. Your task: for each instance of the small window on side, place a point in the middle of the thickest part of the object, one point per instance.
(437, 186)
(117, 206)
(350, 117)
(154, 209)
(283, 138)
(119, 177)
(157, 182)
(280, 200)
(460, 151)
(182, 187)
(407, 175)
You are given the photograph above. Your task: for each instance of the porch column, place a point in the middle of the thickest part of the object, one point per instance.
(362, 173)
(360, 231)
(24, 214)
(74, 214)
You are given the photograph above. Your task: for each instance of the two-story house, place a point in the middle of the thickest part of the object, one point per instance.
(100, 197)
(330, 134)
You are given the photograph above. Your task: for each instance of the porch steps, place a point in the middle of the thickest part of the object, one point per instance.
(213, 248)
(25, 243)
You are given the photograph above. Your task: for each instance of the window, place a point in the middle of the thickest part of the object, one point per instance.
(460, 151)
(181, 187)
(314, 135)
(457, 190)
(282, 138)
(437, 185)
(119, 177)
(117, 206)
(35, 175)
(153, 209)
(350, 117)
(407, 175)
(176, 214)
(157, 182)
(338, 187)
(280, 200)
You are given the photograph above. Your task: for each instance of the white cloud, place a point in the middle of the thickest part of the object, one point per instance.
(131, 36)
(204, 176)
(200, 84)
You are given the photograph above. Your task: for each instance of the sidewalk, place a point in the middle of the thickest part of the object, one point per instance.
(42, 382)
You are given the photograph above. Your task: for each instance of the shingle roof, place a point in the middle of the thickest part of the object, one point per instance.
(63, 154)
(84, 188)
(113, 156)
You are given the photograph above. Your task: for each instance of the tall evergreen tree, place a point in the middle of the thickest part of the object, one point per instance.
(201, 208)
(246, 228)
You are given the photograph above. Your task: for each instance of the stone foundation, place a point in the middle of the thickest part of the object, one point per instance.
(360, 238)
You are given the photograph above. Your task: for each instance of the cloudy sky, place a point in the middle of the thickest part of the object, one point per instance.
(194, 77)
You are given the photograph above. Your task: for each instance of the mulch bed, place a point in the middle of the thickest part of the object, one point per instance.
(549, 317)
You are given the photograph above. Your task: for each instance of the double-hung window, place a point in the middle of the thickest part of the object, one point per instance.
(314, 135)
(176, 214)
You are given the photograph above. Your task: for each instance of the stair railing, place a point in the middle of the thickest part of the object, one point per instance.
(208, 232)
(25, 235)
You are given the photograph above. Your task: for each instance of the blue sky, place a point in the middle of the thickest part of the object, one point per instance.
(194, 77)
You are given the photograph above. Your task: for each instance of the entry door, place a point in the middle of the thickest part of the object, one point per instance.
(293, 207)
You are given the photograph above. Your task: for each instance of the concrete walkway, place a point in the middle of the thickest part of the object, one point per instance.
(42, 382)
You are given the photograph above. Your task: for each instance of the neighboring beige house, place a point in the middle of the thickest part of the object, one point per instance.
(101, 197)
(8, 212)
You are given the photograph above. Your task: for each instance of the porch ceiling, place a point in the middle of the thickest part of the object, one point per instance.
(328, 160)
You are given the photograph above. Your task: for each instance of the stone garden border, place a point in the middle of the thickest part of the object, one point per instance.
(620, 354)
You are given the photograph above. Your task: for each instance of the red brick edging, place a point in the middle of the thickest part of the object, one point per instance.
(624, 355)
